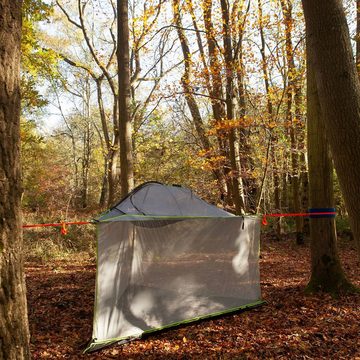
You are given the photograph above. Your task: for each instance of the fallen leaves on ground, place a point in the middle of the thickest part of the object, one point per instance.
(291, 325)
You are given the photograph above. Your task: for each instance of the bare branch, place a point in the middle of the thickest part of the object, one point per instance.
(103, 68)
(67, 15)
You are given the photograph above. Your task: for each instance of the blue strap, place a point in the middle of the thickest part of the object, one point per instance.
(322, 210)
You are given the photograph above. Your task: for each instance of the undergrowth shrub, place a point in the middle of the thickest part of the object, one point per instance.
(45, 243)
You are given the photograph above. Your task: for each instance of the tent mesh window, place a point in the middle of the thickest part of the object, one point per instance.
(166, 257)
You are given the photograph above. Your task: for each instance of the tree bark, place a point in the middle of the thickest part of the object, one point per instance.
(125, 131)
(326, 272)
(237, 186)
(112, 145)
(246, 161)
(14, 333)
(339, 95)
(292, 92)
(190, 98)
(270, 109)
(218, 108)
(358, 36)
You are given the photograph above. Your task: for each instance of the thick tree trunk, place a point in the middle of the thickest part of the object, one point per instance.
(326, 272)
(125, 131)
(14, 333)
(339, 95)
(358, 36)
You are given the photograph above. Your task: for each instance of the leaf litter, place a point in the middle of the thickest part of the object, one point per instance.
(291, 325)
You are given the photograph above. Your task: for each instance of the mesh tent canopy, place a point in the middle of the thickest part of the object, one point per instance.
(166, 257)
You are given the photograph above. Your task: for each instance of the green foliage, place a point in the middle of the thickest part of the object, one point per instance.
(37, 63)
(165, 154)
(45, 176)
(44, 244)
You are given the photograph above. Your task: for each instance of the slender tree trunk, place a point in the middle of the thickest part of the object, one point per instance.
(108, 180)
(125, 131)
(85, 168)
(189, 95)
(270, 109)
(326, 272)
(339, 95)
(292, 92)
(86, 156)
(14, 333)
(277, 196)
(104, 185)
(284, 185)
(218, 107)
(304, 179)
(113, 147)
(237, 188)
(246, 161)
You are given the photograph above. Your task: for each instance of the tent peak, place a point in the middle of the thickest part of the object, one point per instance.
(153, 198)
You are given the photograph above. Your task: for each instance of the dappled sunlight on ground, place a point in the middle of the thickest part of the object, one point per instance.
(291, 325)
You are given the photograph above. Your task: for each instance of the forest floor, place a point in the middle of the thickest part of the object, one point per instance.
(291, 325)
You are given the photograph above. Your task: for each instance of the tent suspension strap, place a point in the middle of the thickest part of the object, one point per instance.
(313, 213)
(62, 224)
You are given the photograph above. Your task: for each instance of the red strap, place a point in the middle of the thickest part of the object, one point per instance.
(57, 224)
(264, 220)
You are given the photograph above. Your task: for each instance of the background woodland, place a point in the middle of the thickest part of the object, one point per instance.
(234, 99)
(217, 103)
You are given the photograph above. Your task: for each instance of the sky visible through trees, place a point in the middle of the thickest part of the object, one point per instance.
(71, 66)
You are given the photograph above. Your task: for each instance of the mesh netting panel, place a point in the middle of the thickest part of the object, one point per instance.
(155, 273)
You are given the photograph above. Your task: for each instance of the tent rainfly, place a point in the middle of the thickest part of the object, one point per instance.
(166, 257)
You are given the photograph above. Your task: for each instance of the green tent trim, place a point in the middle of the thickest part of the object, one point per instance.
(94, 344)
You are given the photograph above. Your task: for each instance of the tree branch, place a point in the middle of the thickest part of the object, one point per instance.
(67, 15)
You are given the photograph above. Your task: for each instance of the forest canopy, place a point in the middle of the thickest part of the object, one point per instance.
(253, 104)
(216, 100)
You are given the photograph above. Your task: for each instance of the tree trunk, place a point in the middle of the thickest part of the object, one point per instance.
(218, 108)
(326, 272)
(14, 333)
(270, 109)
(85, 165)
(237, 186)
(304, 179)
(358, 36)
(339, 95)
(246, 161)
(104, 185)
(125, 131)
(292, 93)
(190, 98)
(86, 156)
(277, 196)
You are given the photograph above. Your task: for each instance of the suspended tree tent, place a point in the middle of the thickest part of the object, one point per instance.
(166, 257)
